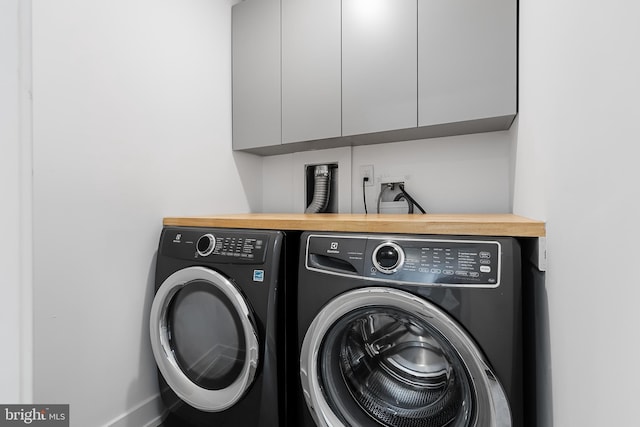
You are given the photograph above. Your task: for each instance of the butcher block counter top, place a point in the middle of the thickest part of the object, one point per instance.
(461, 224)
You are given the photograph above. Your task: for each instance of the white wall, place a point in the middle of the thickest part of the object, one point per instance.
(10, 185)
(577, 168)
(459, 174)
(153, 83)
(132, 122)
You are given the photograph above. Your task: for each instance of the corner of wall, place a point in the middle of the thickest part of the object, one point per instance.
(26, 202)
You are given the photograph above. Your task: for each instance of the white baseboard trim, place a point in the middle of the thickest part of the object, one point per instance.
(148, 413)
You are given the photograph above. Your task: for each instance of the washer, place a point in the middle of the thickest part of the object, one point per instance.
(216, 326)
(409, 331)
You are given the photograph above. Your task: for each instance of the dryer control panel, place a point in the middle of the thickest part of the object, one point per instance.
(220, 246)
(433, 261)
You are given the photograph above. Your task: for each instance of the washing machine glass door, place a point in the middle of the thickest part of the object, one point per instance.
(203, 338)
(381, 356)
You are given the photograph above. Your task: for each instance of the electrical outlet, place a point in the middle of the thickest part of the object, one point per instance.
(366, 171)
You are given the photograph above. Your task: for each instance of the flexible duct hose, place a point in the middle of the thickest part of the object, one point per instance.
(320, 190)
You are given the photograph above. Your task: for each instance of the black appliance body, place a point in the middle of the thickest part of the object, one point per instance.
(409, 331)
(216, 326)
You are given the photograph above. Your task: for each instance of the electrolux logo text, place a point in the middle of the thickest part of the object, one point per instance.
(34, 415)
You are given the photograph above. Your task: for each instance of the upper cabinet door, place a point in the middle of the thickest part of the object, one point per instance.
(311, 98)
(256, 73)
(466, 60)
(379, 65)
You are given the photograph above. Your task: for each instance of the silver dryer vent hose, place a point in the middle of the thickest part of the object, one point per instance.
(320, 190)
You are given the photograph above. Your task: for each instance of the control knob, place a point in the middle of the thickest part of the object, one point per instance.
(206, 244)
(388, 257)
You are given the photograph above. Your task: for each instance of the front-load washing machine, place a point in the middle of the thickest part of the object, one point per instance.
(216, 324)
(409, 331)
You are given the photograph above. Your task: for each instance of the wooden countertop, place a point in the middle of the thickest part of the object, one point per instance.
(461, 224)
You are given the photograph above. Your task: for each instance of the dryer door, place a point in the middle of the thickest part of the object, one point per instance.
(203, 338)
(381, 356)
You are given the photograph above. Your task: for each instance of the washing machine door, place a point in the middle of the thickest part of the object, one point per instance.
(203, 338)
(381, 356)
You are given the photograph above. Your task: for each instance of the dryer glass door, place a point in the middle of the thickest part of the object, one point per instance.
(203, 338)
(381, 356)
(206, 335)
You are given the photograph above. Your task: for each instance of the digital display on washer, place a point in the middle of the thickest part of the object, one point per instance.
(451, 262)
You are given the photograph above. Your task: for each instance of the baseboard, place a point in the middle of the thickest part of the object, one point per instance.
(148, 413)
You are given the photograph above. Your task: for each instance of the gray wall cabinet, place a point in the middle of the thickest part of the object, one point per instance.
(311, 80)
(255, 42)
(379, 65)
(314, 74)
(466, 60)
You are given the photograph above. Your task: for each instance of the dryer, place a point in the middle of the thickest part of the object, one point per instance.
(216, 326)
(409, 331)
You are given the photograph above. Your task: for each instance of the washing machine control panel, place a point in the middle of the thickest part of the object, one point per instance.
(434, 261)
(218, 246)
